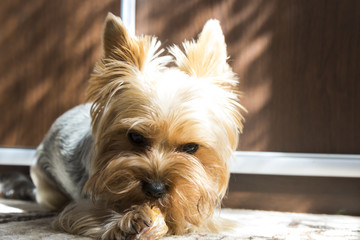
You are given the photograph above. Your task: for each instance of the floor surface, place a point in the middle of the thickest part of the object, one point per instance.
(24, 220)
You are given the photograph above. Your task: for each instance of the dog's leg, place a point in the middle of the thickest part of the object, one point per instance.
(15, 185)
(47, 193)
(84, 218)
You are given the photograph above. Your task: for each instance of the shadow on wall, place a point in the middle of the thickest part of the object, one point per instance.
(250, 38)
(48, 49)
(297, 62)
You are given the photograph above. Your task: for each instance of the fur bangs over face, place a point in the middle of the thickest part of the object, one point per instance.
(133, 90)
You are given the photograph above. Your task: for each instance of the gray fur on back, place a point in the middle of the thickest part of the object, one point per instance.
(65, 153)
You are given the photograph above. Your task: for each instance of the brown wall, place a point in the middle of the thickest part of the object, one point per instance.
(298, 62)
(47, 49)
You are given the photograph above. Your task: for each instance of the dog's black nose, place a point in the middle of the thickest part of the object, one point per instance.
(155, 189)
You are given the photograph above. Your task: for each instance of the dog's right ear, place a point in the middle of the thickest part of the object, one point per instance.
(124, 57)
(115, 36)
(118, 44)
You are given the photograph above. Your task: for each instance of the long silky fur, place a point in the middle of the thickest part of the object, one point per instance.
(133, 88)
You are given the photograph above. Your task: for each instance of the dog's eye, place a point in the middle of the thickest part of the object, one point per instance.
(189, 148)
(137, 139)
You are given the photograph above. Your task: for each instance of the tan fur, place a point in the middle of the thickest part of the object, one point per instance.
(132, 89)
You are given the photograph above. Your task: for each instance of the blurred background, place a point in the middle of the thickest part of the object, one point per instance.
(298, 64)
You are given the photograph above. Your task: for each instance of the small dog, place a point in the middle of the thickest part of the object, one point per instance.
(158, 132)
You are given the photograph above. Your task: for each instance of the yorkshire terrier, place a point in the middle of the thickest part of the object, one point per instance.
(157, 135)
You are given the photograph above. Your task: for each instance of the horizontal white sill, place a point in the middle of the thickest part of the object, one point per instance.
(17, 156)
(296, 164)
(265, 163)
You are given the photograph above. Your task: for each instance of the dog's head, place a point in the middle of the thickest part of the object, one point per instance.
(163, 135)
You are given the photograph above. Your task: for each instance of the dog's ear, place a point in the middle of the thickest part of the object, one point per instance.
(115, 35)
(124, 57)
(118, 44)
(205, 57)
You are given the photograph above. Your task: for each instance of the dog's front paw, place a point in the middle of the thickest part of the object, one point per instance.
(140, 222)
(136, 221)
(143, 222)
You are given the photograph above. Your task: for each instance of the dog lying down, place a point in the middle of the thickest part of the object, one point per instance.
(148, 154)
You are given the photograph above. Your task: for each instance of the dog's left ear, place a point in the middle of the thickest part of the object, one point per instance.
(205, 57)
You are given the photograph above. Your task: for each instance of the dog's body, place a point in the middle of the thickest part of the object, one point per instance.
(65, 154)
(153, 137)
